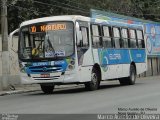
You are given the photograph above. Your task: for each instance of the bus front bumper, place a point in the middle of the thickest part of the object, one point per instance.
(56, 78)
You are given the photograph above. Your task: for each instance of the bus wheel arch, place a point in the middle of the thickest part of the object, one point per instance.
(95, 78)
(130, 80)
(133, 73)
(97, 67)
(133, 63)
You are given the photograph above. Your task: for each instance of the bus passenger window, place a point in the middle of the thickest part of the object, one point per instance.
(132, 35)
(107, 41)
(116, 35)
(85, 37)
(95, 36)
(124, 37)
(140, 39)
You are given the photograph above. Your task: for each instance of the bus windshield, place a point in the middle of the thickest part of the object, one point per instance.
(46, 40)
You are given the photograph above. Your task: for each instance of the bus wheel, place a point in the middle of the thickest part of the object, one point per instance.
(95, 81)
(131, 79)
(47, 88)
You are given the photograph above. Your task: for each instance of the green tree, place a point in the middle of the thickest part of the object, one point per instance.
(21, 10)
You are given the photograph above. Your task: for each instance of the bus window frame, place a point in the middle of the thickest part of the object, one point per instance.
(142, 40)
(46, 59)
(84, 24)
(87, 30)
(118, 38)
(99, 35)
(136, 45)
(125, 39)
(110, 35)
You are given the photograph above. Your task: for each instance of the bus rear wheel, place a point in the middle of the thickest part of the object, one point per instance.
(131, 79)
(95, 81)
(47, 88)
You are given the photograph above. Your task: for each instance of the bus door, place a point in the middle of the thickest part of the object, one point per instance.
(82, 41)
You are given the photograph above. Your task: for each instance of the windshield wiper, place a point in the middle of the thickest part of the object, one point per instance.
(50, 45)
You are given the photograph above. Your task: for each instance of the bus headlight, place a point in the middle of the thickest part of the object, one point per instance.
(71, 65)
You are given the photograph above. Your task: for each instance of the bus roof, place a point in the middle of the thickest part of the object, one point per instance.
(116, 23)
(94, 12)
(79, 17)
(55, 18)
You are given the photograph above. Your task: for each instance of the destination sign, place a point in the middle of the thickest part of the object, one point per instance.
(48, 27)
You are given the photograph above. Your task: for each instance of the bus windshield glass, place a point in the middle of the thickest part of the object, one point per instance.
(46, 40)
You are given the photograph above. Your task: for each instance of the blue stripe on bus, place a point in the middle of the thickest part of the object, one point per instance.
(121, 56)
(138, 55)
(47, 67)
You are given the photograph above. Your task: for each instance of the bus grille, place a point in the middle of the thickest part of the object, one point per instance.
(46, 78)
(47, 69)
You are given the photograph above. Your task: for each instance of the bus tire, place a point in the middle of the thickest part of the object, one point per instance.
(131, 79)
(47, 88)
(95, 81)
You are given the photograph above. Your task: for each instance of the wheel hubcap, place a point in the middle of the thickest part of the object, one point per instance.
(94, 78)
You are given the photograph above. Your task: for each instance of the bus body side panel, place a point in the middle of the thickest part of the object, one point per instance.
(126, 69)
(138, 56)
(141, 67)
(115, 63)
(107, 71)
(85, 69)
(96, 57)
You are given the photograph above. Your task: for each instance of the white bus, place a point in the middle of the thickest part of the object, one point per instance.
(79, 50)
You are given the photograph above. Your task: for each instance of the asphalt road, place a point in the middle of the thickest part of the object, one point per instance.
(112, 98)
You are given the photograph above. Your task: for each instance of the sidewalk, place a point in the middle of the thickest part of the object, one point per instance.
(29, 88)
(20, 89)
(36, 87)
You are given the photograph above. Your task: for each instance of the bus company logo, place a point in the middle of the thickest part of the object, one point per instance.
(44, 69)
(103, 60)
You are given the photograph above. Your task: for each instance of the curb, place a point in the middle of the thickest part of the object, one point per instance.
(16, 92)
(3, 93)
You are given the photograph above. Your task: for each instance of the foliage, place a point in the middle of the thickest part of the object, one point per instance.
(21, 10)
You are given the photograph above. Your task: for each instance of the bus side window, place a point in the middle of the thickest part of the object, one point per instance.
(116, 35)
(140, 39)
(124, 37)
(107, 40)
(96, 41)
(85, 40)
(132, 36)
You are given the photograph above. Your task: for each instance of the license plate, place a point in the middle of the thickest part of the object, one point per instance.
(45, 75)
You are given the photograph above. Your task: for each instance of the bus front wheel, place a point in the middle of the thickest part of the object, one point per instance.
(131, 79)
(47, 88)
(95, 81)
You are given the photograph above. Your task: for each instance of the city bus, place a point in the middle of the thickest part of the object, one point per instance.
(74, 49)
